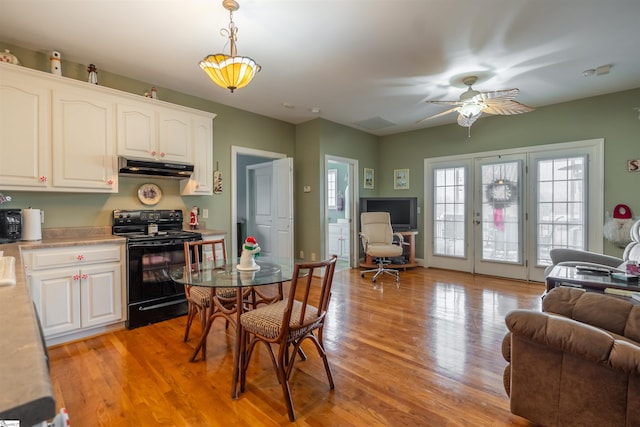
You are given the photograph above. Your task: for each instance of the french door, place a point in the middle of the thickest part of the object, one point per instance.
(498, 216)
(501, 213)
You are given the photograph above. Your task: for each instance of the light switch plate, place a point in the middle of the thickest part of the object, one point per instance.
(307, 189)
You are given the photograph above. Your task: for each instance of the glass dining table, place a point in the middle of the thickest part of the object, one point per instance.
(248, 284)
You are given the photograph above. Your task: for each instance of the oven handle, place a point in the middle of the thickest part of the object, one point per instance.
(155, 244)
(164, 304)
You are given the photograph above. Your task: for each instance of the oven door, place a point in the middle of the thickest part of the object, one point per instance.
(152, 294)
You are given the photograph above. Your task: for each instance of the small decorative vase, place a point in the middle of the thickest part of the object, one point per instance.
(56, 63)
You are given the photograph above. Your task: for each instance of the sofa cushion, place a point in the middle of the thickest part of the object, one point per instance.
(617, 315)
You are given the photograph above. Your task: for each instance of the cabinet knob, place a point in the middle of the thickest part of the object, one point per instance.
(43, 178)
(85, 276)
(153, 153)
(76, 277)
(110, 182)
(162, 154)
(80, 257)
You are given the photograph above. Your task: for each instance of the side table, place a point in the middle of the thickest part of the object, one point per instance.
(603, 283)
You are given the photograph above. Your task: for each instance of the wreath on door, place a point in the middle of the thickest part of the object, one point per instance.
(501, 193)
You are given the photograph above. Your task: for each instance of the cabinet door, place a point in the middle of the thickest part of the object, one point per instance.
(201, 182)
(56, 295)
(101, 294)
(24, 131)
(174, 135)
(137, 131)
(83, 140)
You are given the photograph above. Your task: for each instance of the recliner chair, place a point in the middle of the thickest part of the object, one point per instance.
(378, 242)
(575, 257)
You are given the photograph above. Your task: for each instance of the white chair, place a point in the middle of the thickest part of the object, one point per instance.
(378, 242)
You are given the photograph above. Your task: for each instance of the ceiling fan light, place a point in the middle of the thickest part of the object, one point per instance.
(470, 109)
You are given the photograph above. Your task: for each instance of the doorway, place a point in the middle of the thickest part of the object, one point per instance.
(500, 214)
(279, 204)
(341, 210)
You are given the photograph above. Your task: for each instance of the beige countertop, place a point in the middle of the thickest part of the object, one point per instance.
(24, 375)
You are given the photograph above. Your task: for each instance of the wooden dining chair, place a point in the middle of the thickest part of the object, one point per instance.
(199, 298)
(289, 322)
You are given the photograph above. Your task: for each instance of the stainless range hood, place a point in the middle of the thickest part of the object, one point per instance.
(138, 167)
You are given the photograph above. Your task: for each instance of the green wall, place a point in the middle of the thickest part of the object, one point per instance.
(609, 116)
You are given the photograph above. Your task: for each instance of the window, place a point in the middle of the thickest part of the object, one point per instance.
(332, 188)
(561, 218)
(449, 211)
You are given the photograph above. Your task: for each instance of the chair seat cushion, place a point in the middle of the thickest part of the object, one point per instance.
(267, 320)
(226, 292)
(383, 250)
(200, 295)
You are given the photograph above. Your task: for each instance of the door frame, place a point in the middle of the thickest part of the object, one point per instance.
(235, 152)
(595, 149)
(354, 197)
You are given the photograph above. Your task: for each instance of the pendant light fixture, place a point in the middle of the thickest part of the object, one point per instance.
(230, 71)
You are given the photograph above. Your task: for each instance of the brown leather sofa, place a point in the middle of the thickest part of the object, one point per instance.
(577, 363)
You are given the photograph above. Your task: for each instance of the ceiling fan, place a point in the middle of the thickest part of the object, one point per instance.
(473, 103)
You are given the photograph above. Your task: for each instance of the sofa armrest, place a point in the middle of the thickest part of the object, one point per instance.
(570, 336)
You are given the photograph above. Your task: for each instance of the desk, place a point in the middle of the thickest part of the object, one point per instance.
(569, 276)
(220, 275)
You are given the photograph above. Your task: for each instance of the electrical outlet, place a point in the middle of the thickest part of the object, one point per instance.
(418, 210)
(205, 213)
(313, 256)
(301, 254)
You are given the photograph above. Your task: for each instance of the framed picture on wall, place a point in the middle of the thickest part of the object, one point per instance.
(401, 179)
(368, 178)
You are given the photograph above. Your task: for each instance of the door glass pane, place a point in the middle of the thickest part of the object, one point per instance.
(561, 218)
(501, 212)
(449, 212)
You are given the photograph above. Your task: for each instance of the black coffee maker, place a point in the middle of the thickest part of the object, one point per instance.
(10, 225)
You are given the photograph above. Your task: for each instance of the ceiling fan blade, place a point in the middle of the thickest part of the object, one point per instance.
(449, 111)
(497, 94)
(445, 102)
(467, 121)
(505, 107)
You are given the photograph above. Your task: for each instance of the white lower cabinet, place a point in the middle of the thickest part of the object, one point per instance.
(82, 292)
(338, 243)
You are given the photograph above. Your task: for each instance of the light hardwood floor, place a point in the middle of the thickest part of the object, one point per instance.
(426, 354)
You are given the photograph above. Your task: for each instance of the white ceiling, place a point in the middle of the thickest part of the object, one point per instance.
(357, 61)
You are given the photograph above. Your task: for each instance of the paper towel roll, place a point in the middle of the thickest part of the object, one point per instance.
(31, 229)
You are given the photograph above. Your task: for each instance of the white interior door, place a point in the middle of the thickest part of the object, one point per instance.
(260, 219)
(282, 190)
(270, 219)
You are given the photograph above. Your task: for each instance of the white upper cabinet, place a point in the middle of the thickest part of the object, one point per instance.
(137, 130)
(62, 134)
(25, 139)
(83, 139)
(174, 140)
(201, 182)
(147, 130)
